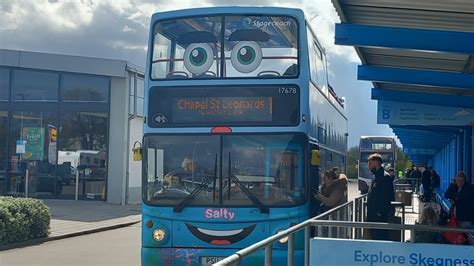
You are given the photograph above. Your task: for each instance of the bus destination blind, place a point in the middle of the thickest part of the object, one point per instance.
(213, 109)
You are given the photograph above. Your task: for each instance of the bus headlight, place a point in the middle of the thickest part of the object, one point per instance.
(282, 240)
(159, 234)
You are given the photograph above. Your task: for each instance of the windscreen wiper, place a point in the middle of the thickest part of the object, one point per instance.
(250, 195)
(243, 188)
(193, 194)
(196, 191)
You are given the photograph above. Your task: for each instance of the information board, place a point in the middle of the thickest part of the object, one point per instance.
(344, 252)
(399, 113)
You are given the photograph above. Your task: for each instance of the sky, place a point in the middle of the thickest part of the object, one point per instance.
(118, 29)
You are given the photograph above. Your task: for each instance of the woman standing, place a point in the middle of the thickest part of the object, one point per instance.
(463, 201)
(332, 191)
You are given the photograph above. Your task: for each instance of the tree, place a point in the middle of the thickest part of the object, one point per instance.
(352, 157)
(403, 163)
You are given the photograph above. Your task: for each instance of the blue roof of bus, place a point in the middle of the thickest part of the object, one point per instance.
(228, 10)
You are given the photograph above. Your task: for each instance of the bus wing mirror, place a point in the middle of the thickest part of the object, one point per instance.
(315, 157)
(137, 151)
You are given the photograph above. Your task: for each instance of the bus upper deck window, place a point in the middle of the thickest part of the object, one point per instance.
(261, 46)
(254, 46)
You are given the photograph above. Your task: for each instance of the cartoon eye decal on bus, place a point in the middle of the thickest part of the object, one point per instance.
(246, 56)
(199, 53)
(198, 58)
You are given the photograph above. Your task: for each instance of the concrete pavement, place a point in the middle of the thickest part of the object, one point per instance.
(73, 218)
(118, 247)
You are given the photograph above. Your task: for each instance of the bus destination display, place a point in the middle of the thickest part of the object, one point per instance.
(222, 109)
(208, 106)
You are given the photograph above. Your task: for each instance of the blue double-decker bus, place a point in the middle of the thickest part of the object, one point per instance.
(240, 121)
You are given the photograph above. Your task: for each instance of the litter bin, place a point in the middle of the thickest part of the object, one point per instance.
(403, 197)
(398, 235)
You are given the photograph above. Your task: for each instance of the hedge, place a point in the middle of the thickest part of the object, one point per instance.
(23, 219)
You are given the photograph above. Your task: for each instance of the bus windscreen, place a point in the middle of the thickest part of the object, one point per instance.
(217, 106)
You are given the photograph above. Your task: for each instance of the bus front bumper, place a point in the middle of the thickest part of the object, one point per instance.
(191, 257)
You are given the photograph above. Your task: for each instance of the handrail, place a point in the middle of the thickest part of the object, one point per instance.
(268, 241)
(342, 206)
(236, 257)
(360, 197)
(316, 221)
(390, 226)
(445, 204)
(414, 183)
(333, 210)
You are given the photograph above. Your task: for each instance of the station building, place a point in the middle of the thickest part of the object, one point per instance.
(67, 126)
(419, 57)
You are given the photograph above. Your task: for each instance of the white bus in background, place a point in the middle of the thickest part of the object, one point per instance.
(385, 146)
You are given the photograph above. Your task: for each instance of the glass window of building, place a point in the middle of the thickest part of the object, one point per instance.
(140, 87)
(83, 150)
(140, 106)
(131, 94)
(4, 84)
(140, 96)
(35, 86)
(3, 149)
(33, 150)
(84, 88)
(131, 104)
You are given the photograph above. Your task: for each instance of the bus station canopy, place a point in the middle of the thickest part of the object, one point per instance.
(419, 56)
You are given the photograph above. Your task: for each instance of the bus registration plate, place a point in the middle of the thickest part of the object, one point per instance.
(210, 260)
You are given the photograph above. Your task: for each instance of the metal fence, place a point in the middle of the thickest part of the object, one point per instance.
(408, 184)
(350, 211)
(347, 219)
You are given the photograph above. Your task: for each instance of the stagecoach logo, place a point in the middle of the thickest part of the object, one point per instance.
(160, 119)
(246, 22)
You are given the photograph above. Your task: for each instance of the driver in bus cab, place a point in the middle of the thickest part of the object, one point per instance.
(189, 168)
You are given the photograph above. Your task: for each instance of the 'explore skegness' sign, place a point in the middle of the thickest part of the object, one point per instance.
(343, 252)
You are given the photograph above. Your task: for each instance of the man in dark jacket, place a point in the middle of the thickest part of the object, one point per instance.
(435, 180)
(408, 172)
(416, 177)
(426, 183)
(381, 194)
